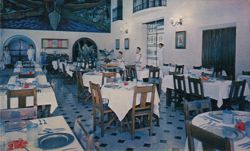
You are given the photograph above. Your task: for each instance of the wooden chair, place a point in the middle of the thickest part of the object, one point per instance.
(82, 91)
(86, 140)
(22, 111)
(209, 140)
(179, 88)
(236, 95)
(196, 90)
(142, 111)
(193, 108)
(130, 72)
(154, 77)
(179, 69)
(246, 73)
(101, 108)
(107, 77)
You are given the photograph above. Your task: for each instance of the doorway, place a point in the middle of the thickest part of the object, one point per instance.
(218, 49)
(18, 46)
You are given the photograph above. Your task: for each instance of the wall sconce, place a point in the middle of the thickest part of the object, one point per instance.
(124, 29)
(176, 22)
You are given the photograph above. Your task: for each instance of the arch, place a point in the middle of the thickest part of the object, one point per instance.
(18, 46)
(80, 44)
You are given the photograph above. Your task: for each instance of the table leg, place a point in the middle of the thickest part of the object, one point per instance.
(168, 96)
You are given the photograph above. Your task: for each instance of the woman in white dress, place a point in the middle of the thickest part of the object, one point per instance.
(6, 56)
(139, 59)
(160, 55)
(31, 53)
(121, 62)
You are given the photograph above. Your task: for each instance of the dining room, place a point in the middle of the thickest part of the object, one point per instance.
(132, 75)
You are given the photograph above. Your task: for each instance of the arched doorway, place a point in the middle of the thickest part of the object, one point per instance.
(18, 46)
(84, 48)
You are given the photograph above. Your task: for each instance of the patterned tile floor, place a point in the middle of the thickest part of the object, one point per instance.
(170, 133)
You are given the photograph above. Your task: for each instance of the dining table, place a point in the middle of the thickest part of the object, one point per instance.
(45, 95)
(214, 88)
(213, 122)
(52, 133)
(120, 97)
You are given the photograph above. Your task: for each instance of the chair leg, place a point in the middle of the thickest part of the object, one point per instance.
(94, 121)
(102, 125)
(168, 96)
(133, 128)
(150, 125)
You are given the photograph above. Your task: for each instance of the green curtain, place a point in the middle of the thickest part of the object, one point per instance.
(218, 49)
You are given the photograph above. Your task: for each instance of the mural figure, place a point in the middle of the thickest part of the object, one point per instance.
(62, 15)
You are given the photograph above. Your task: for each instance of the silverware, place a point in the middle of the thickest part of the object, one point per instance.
(44, 122)
(212, 119)
(40, 122)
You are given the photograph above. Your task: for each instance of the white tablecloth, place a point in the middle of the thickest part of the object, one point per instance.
(165, 69)
(217, 90)
(202, 121)
(95, 77)
(53, 123)
(198, 72)
(141, 74)
(121, 100)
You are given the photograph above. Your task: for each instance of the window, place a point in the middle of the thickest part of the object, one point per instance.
(144, 4)
(155, 33)
(117, 11)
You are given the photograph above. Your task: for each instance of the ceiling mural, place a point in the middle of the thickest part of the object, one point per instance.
(58, 15)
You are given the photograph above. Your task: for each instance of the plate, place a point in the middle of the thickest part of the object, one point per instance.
(55, 140)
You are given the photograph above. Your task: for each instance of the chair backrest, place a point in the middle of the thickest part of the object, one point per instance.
(22, 96)
(154, 72)
(130, 72)
(245, 72)
(145, 95)
(237, 89)
(197, 67)
(192, 108)
(209, 140)
(195, 88)
(179, 69)
(96, 96)
(86, 140)
(21, 111)
(179, 83)
(107, 77)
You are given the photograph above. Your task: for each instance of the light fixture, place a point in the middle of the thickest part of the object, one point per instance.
(124, 28)
(177, 21)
